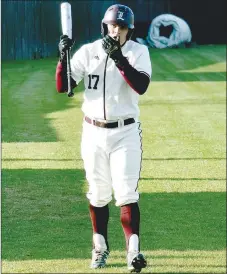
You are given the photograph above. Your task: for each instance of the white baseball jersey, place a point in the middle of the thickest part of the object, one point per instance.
(107, 95)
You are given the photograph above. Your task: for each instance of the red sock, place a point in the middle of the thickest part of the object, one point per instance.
(99, 219)
(130, 220)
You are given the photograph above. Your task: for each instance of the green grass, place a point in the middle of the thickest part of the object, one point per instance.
(45, 219)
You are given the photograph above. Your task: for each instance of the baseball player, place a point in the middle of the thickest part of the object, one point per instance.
(116, 71)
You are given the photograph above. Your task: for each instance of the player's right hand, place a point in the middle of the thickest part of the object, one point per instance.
(65, 43)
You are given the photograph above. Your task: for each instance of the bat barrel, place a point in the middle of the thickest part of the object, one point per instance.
(66, 19)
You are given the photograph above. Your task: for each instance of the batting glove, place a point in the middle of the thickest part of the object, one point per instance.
(113, 48)
(65, 44)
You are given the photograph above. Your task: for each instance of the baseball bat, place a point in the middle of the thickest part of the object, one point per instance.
(66, 23)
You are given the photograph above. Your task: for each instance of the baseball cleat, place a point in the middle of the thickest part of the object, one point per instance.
(136, 261)
(99, 258)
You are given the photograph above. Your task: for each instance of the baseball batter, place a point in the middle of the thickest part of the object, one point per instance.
(115, 71)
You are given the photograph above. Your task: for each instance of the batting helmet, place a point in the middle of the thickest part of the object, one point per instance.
(120, 15)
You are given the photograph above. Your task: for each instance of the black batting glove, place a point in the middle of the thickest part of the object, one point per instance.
(113, 48)
(65, 44)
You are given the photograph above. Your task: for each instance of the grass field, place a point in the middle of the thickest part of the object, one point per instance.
(45, 219)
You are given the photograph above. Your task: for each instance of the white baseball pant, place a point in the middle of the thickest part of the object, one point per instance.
(112, 162)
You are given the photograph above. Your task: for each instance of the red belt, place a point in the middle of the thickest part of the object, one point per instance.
(109, 125)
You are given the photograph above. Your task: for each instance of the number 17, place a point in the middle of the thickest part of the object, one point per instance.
(96, 81)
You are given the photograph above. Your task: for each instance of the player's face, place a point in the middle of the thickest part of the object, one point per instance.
(118, 32)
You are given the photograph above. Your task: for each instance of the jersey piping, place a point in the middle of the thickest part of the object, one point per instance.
(104, 89)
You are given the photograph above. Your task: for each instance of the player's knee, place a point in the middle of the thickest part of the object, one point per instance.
(126, 201)
(99, 202)
(99, 197)
(126, 197)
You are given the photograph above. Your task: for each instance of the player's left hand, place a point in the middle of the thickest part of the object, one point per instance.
(113, 48)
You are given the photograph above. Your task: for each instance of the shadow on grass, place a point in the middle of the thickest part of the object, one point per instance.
(45, 216)
(184, 221)
(172, 64)
(192, 77)
(28, 95)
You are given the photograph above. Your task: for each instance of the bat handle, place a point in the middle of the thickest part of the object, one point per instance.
(70, 92)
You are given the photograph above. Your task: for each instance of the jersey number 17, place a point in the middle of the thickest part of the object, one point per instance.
(91, 81)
